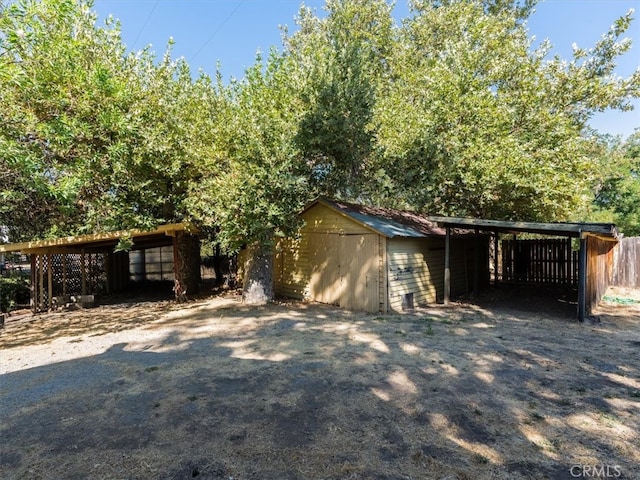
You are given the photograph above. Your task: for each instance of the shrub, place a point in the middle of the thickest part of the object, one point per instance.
(14, 290)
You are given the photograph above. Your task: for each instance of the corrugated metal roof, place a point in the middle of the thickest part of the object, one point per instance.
(388, 222)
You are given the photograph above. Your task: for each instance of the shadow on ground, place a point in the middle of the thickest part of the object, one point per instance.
(310, 392)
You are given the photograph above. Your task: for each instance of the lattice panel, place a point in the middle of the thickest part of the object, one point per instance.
(66, 276)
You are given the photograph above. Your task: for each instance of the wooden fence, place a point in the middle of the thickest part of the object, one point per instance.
(599, 269)
(626, 263)
(543, 261)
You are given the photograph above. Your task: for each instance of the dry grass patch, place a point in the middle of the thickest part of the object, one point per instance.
(218, 390)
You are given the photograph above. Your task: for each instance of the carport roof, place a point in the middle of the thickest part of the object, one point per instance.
(100, 242)
(607, 231)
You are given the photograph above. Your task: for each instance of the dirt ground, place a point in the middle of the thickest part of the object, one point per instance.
(217, 390)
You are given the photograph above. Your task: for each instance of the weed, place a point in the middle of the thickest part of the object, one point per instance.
(534, 417)
(609, 419)
(152, 369)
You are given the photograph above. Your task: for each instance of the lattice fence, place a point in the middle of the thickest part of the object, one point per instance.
(71, 274)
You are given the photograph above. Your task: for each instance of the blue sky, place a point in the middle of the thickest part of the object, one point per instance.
(232, 31)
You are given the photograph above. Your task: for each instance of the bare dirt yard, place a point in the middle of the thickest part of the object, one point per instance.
(217, 390)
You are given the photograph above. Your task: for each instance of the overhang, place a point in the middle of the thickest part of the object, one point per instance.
(100, 242)
(606, 231)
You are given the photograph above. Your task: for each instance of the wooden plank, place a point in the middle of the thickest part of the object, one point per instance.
(496, 252)
(447, 267)
(108, 237)
(383, 278)
(34, 284)
(41, 281)
(49, 281)
(359, 273)
(582, 279)
(626, 263)
(83, 273)
(324, 282)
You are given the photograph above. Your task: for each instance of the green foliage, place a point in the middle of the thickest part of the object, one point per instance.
(451, 112)
(14, 289)
(617, 197)
(475, 123)
(343, 56)
(255, 183)
(95, 138)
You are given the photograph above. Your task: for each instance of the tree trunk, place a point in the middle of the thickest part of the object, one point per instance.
(186, 264)
(257, 288)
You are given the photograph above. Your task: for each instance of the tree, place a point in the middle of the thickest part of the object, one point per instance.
(94, 138)
(256, 182)
(474, 122)
(343, 58)
(617, 196)
(56, 73)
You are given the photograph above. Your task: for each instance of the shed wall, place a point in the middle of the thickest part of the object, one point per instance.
(416, 266)
(322, 219)
(338, 261)
(334, 260)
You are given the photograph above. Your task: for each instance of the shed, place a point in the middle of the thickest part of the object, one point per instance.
(87, 265)
(375, 259)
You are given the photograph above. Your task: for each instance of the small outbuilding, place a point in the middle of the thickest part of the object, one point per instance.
(376, 259)
(550, 259)
(78, 269)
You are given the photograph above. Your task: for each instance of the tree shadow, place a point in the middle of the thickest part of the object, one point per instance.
(316, 392)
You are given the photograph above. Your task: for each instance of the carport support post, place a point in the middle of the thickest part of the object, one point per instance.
(582, 279)
(41, 281)
(83, 273)
(447, 269)
(33, 294)
(49, 280)
(496, 245)
(476, 261)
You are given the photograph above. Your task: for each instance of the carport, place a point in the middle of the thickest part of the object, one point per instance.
(75, 269)
(594, 261)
